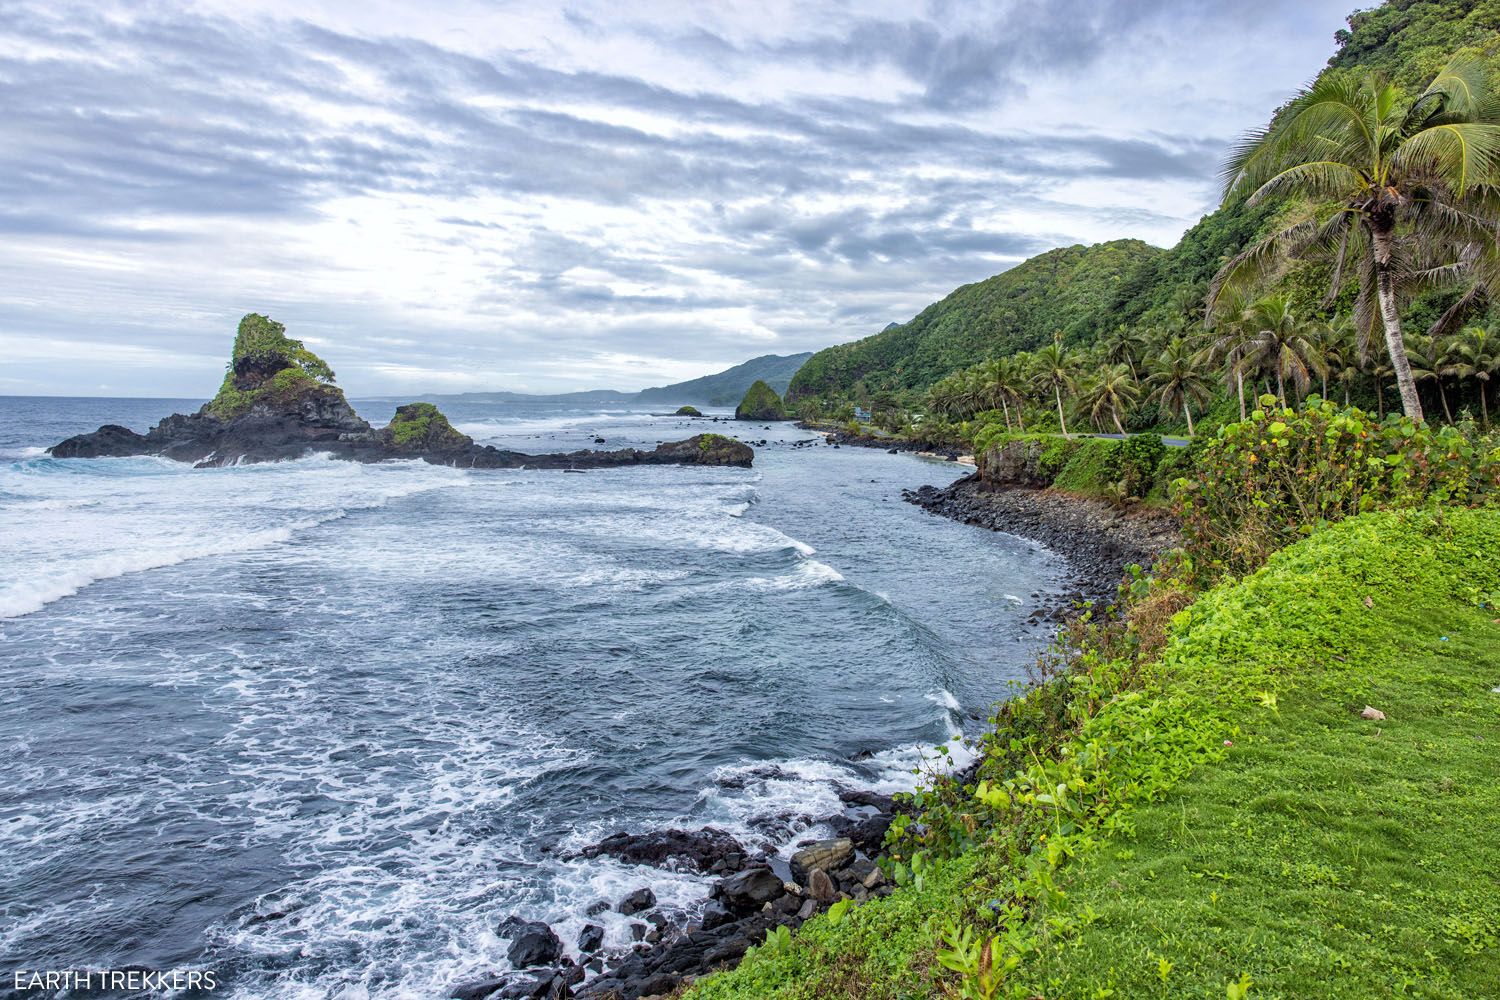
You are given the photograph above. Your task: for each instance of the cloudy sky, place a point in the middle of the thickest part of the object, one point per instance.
(544, 197)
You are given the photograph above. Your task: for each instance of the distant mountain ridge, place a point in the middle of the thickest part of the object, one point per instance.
(729, 386)
(724, 388)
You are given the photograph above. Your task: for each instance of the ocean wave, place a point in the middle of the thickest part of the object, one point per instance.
(28, 596)
(95, 520)
(807, 573)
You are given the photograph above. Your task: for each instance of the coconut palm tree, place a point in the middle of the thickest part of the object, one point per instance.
(1478, 358)
(1379, 368)
(1113, 394)
(1234, 335)
(1124, 346)
(1429, 363)
(1328, 342)
(1005, 381)
(1177, 380)
(1280, 344)
(1389, 181)
(1054, 369)
(942, 397)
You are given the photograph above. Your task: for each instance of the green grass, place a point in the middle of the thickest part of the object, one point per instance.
(1325, 855)
(1319, 854)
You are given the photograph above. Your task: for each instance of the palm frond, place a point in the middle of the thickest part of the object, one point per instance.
(1461, 154)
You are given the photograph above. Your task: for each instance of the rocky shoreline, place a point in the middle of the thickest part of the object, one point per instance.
(753, 894)
(1098, 540)
(895, 446)
(278, 401)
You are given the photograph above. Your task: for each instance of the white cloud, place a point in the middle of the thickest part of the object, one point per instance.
(521, 196)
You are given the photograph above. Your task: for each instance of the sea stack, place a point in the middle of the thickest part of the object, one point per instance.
(760, 403)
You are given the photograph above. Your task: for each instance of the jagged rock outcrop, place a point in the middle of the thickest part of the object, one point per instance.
(278, 401)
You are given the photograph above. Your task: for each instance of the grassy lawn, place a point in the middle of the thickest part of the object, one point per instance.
(1326, 855)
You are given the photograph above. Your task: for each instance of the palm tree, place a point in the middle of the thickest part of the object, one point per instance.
(1177, 380)
(1113, 394)
(942, 397)
(1235, 335)
(1429, 363)
(1280, 345)
(1379, 367)
(1003, 380)
(1186, 305)
(1123, 347)
(1389, 181)
(1478, 358)
(1054, 370)
(1327, 341)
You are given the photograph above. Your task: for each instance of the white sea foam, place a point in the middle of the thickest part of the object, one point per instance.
(776, 803)
(807, 573)
(74, 524)
(952, 710)
(28, 596)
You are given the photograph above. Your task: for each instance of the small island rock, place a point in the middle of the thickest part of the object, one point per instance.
(760, 403)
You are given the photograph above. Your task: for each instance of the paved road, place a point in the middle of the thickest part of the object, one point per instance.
(1170, 442)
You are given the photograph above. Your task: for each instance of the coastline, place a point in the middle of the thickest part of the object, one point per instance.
(755, 893)
(1097, 539)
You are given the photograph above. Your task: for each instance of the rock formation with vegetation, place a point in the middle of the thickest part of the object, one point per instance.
(278, 401)
(760, 403)
(688, 411)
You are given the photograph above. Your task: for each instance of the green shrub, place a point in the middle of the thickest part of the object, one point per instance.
(1272, 479)
(1056, 454)
(1089, 467)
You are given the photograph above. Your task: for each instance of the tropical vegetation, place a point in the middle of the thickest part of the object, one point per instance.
(1354, 255)
(760, 403)
(266, 364)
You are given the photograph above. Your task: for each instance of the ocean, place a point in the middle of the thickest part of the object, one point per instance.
(319, 726)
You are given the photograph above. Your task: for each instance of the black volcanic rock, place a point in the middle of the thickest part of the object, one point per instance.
(706, 850)
(278, 402)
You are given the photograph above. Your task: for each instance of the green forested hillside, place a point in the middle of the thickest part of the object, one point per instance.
(1016, 310)
(1128, 291)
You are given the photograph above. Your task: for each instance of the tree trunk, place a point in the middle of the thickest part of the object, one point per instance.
(1187, 412)
(1006, 406)
(1325, 385)
(1444, 397)
(1385, 286)
(1121, 429)
(1484, 406)
(1057, 394)
(1280, 385)
(1239, 384)
(1379, 398)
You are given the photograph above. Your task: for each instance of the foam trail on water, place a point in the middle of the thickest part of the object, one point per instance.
(29, 596)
